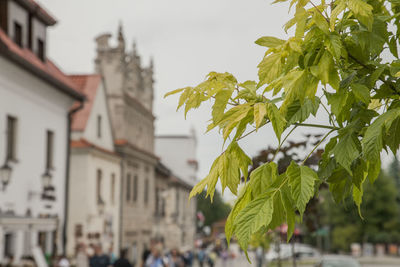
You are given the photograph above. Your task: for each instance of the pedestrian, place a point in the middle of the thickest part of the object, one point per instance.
(156, 259)
(212, 258)
(111, 254)
(201, 256)
(99, 259)
(63, 261)
(188, 258)
(122, 261)
(175, 259)
(82, 259)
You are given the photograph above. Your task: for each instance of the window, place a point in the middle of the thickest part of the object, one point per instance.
(112, 196)
(135, 186)
(99, 126)
(11, 138)
(157, 202)
(49, 150)
(98, 187)
(146, 191)
(128, 187)
(40, 49)
(18, 34)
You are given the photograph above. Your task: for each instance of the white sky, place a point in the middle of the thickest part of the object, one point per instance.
(187, 40)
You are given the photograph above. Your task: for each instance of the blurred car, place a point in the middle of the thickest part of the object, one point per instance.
(285, 252)
(337, 261)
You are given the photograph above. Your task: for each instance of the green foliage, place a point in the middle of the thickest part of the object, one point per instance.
(333, 63)
(380, 209)
(214, 212)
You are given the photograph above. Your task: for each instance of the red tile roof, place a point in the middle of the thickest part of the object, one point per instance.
(83, 143)
(87, 85)
(46, 70)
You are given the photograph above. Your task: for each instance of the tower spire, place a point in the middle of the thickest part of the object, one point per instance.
(121, 39)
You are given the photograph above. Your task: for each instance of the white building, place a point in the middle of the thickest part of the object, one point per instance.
(94, 185)
(35, 102)
(178, 153)
(175, 177)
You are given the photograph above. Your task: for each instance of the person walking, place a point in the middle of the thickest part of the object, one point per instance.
(122, 261)
(82, 259)
(156, 259)
(99, 259)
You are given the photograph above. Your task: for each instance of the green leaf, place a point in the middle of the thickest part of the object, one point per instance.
(392, 138)
(393, 47)
(257, 214)
(260, 110)
(174, 92)
(361, 92)
(357, 197)
(210, 181)
(374, 168)
(262, 177)
(347, 149)
(334, 45)
(269, 68)
(277, 119)
(339, 8)
(372, 142)
(362, 11)
(298, 112)
(289, 210)
(240, 204)
(301, 181)
(269, 41)
(221, 100)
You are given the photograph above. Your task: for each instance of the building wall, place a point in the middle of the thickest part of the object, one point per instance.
(99, 108)
(18, 14)
(84, 208)
(179, 154)
(22, 96)
(38, 32)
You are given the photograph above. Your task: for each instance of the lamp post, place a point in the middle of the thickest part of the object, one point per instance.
(5, 175)
(46, 180)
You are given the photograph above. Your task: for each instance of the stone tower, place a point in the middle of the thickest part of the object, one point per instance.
(129, 90)
(127, 80)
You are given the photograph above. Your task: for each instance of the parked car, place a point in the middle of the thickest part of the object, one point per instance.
(285, 252)
(337, 261)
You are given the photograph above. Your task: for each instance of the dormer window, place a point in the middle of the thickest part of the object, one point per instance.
(40, 49)
(18, 34)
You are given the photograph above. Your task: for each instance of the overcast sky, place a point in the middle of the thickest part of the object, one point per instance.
(186, 38)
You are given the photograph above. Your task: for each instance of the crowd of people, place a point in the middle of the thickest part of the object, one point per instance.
(154, 256)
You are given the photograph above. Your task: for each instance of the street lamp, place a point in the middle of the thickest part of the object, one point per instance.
(46, 180)
(5, 175)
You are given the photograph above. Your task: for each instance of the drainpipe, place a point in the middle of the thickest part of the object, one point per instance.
(66, 204)
(121, 186)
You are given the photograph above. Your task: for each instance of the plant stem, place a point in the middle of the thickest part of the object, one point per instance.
(317, 126)
(281, 143)
(312, 151)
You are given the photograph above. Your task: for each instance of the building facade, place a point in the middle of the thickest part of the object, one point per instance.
(178, 155)
(35, 110)
(129, 91)
(94, 183)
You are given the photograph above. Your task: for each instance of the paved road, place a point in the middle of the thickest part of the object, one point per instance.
(365, 262)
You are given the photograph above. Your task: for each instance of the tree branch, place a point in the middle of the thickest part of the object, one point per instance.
(317, 126)
(312, 151)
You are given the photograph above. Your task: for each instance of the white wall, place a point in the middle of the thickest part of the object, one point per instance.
(99, 108)
(175, 152)
(17, 14)
(38, 31)
(83, 199)
(38, 107)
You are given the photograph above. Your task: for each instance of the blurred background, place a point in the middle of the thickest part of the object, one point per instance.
(96, 166)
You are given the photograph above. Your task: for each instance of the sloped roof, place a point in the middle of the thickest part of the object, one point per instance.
(38, 10)
(83, 143)
(45, 70)
(88, 86)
